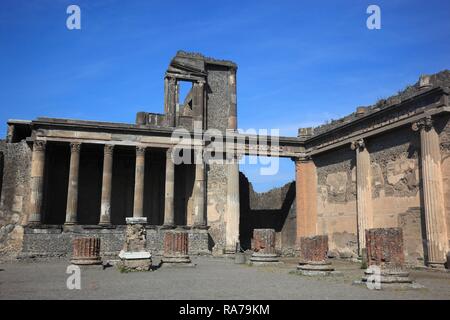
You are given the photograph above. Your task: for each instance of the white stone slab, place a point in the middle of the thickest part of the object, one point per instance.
(136, 220)
(134, 255)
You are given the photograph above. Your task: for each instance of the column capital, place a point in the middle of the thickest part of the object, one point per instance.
(140, 150)
(75, 146)
(424, 123)
(172, 80)
(109, 149)
(39, 145)
(359, 144)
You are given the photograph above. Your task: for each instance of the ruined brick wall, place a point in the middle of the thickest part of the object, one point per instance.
(443, 126)
(336, 200)
(274, 209)
(396, 195)
(15, 194)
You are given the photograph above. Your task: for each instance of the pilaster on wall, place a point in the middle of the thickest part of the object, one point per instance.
(435, 219)
(363, 191)
(306, 197)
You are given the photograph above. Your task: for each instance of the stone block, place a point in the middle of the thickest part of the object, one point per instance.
(385, 247)
(313, 256)
(176, 244)
(314, 248)
(264, 247)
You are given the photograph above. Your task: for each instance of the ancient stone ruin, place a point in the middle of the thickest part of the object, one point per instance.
(264, 247)
(313, 256)
(385, 251)
(134, 256)
(176, 248)
(385, 165)
(86, 251)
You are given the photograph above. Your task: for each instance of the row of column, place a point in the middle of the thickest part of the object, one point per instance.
(433, 196)
(37, 183)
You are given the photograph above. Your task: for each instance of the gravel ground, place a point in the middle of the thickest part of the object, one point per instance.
(212, 278)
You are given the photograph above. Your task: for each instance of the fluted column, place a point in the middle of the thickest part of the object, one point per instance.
(363, 191)
(138, 209)
(306, 197)
(199, 191)
(233, 207)
(72, 193)
(435, 222)
(37, 181)
(169, 210)
(105, 210)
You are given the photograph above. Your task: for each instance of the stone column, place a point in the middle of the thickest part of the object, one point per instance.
(199, 191)
(363, 191)
(171, 102)
(86, 251)
(72, 193)
(138, 209)
(313, 256)
(198, 107)
(232, 116)
(264, 247)
(435, 222)
(306, 197)
(385, 256)
(169, 210)
(176, 244)
(233, 207)
(105, 210)
(37, 181)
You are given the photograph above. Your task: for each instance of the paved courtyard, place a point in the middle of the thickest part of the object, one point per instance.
(213, 278)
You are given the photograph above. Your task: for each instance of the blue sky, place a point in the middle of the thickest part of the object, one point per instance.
(300, 63)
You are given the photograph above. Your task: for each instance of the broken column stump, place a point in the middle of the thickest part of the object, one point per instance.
(385, 257)
(86, 251)
(313, 256)
(134, 255)
(264, 247)
(176, 244)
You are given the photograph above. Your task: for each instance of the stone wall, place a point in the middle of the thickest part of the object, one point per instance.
(396, 196)
(14, 196)
(274, 209)
(443, 125)
(53, 241)
(336, 201)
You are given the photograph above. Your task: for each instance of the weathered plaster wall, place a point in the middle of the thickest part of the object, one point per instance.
(443, 125)
(396, 195)
(14, 196)
(336, 201)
